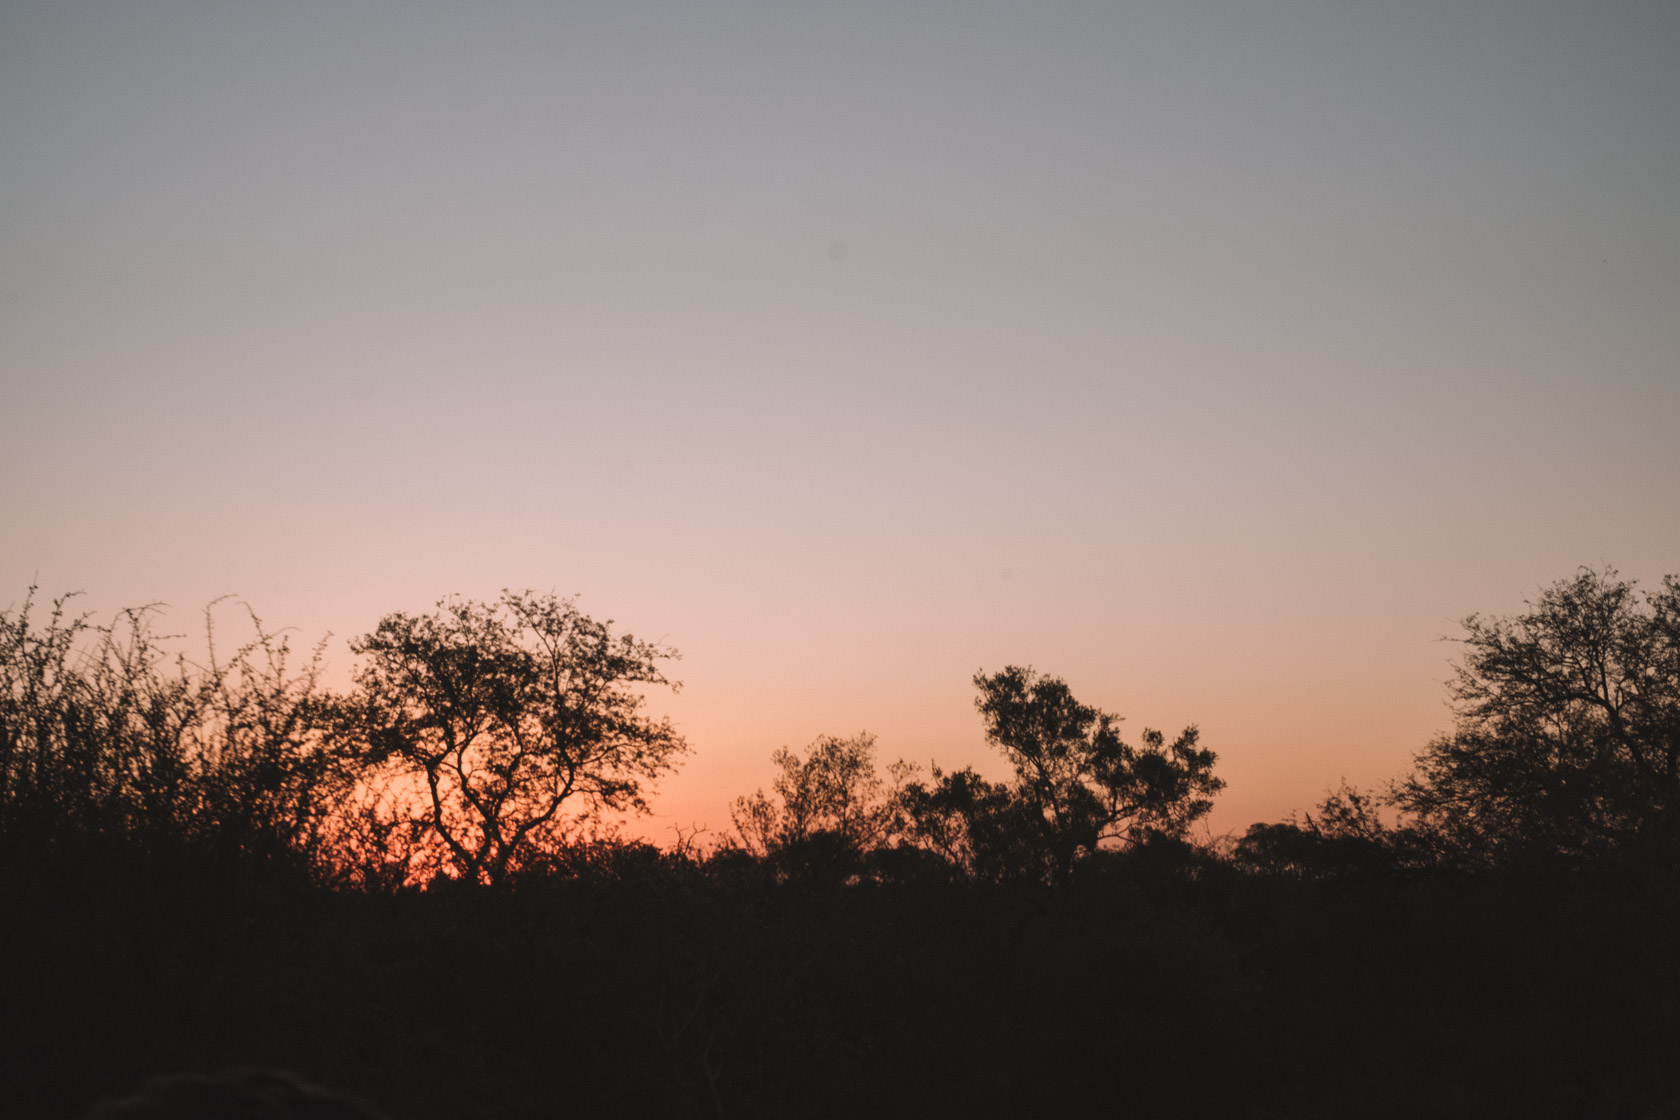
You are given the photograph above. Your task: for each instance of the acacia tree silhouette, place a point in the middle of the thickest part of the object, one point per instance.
(1568, 728)
(506, 712)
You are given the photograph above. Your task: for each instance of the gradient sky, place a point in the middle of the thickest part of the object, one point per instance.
(1215, 357)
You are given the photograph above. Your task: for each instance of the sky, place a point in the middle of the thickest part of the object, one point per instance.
(1215, 357)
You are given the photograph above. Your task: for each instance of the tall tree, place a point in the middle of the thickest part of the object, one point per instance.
(1567, 735)
(506, 712)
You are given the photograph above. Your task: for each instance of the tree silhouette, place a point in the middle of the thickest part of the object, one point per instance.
(1567, 736)
(981, 826)
(504, 713)
(1077, 783)
(1347, 836)
(829, 809)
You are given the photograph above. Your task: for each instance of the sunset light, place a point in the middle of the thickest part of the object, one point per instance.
(1191, 364)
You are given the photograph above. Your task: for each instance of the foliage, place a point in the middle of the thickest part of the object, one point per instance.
(981, 826)
(1567, 736)
(503, 713)
(1347, 837)
(47, 772)
(833, 789)
(104, 734)
(1077, 786)
(630, 980)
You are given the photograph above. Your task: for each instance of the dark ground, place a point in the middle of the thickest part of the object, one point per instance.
(639, 985)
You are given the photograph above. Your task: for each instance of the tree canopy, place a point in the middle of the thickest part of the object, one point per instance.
(1567, 735)
(834, 789)
(1077, 783)
(506, 712)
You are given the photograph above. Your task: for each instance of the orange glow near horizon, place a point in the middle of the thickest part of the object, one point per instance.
(1291, 713)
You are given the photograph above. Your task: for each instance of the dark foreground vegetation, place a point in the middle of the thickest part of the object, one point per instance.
(406, 891)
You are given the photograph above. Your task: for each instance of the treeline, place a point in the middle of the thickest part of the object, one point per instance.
(410, 888)
(464, 735)
(481, 741)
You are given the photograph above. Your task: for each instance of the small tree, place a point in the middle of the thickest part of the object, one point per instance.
(830, 806)
(506, 712)
(983, 827)
(1567, 736)
(1077, 784)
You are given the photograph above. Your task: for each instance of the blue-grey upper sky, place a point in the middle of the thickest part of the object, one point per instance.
(1215, 356)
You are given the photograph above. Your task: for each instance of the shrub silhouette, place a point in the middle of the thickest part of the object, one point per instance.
(103, 735)
(1346, 837)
